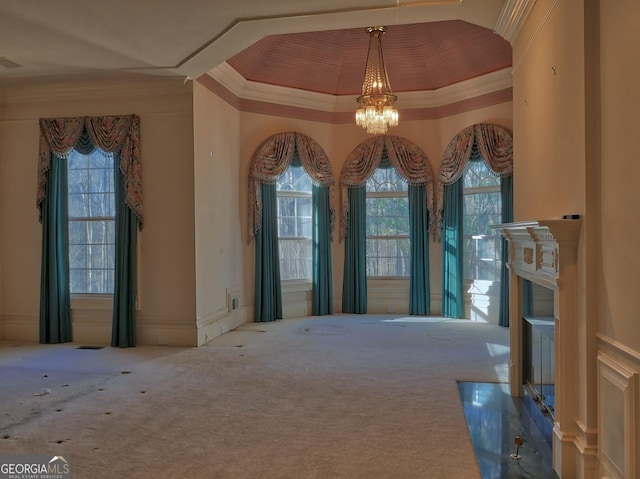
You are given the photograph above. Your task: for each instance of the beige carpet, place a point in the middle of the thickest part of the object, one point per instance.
(342, 396)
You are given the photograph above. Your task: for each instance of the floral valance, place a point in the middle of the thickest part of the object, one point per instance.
(407, 158)
(119, 134)
(273, 157)
(495, 144)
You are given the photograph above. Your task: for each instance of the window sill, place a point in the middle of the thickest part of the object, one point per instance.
(92, 301)
(387, 278)
(296, 285)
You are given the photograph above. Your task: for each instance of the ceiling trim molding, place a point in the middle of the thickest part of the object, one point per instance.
(38, 91)
(426, 110)
(512, 18)
(245, 90)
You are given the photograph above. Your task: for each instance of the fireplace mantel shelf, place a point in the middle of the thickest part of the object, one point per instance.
(536, 248)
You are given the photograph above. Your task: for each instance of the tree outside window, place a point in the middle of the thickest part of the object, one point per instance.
(388, 251)
(294, 191)
(91, 222)
(482, 208)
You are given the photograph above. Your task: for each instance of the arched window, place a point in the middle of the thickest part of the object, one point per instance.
(387, 215)
(294, 224)
(291, 219)
(92, 218)
(482, 208)
(467, 205)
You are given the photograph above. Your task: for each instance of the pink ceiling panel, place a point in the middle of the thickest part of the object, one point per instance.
(424, 56)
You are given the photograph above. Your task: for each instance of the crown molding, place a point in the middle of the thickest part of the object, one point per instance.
(250, 91)
(512, 18)
(63, 88)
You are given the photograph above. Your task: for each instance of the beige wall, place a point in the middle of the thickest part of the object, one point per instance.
(618, 229)
(548, 110)
(167, 267)
(616, 236)
(620, 171)
(575, 114)
(219, 220)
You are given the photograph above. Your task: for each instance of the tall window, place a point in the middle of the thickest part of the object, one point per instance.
(91, 222)
(294, 224)
(482, 208)
(387, 224)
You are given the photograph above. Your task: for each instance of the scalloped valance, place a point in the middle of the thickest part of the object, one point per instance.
(495, 144)
(273, 157)
(407, 158)
(109, 133)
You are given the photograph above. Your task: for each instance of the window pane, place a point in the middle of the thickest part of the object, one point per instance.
(482, 208)
(77, 232)
(98, 256)
(78, 206)
(91, 242)
(386, 179)
(294, 223)
(478, 174)
(304, 207)
(286, 227)
(77, 256)
(78, 282)
(295, 178)
(100, 159)
(78, 181)
(77, 160)
(387, 212)
(304, 227)
(295, 258)
(388, 257)
(97, 231)
(286, 206)
(97, 281)
(99, 181)
(111, 263)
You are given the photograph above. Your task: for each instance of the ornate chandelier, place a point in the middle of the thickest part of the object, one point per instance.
(376, 111)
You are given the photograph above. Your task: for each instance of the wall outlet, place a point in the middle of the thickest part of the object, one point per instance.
(162, 341)
(232, 301)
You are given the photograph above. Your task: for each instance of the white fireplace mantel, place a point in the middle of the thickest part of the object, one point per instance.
(545, 252)
(539, 249)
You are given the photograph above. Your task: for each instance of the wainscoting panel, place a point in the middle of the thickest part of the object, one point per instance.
(617, 415)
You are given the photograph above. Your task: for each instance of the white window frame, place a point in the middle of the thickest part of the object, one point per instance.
(302, 282)
(497, 253)
(387, 194)
(80, 297)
